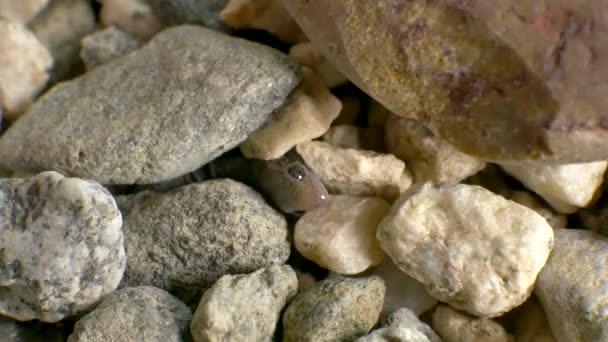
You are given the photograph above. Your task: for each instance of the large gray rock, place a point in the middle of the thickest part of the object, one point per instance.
(135, 314)
(186, 239)
(164, 110)
(177, 12)
(61, 246)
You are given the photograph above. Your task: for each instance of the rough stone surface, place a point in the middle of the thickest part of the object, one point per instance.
(307, 114)
(500, 80)
(178, 12)
(573, 289)
(60, 27)
(22, 10)
(244, 307)
(133, 314)
(564, 187)
(363, 138)
(164, 110)
(133, 16)
(341, 235)
(24, 63)
(402, 326)
(105, 45)
(531, 201)
(334, 310)
(356, 172)
(61, 246)
(186, 239)
(471, 248)
(429, 158)
(307, 54)
(454, 326)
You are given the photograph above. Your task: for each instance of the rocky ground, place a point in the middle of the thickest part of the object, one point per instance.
(418, 241)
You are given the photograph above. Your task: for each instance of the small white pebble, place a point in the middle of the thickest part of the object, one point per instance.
(454, 326)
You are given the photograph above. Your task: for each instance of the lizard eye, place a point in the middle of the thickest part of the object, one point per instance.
(297, 172)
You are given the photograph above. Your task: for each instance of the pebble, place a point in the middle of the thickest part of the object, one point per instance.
(356, 172)
(105, 45)
(24, 65)
(531, 201)
(143, 313)
(307, 114)
(60, 27)
(429, 158)
(306, 53)
(133, 16)
(564, 187)
(179, 12)
(402, 326)
(186, 239)
(471, 248)
(62, 237)
(334, 310)
(244, 307)
(21, 10)
(454, 326)
(145, 119)
(341, 235)
(573, 286)
(362, 138)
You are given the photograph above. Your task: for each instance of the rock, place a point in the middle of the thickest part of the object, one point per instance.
(60, 27)
(361, 138)
(341, 235)
(334, 310)
(105, 45)
(454, 326)
(500, 81)
(133, 16)
(62, 237)
(142, 313)
(472, 249)
(306, 53)
(244, 307)
(178, 12)
(186, 239)
(154, 114)
(351, 108)
(402, 326)
(564, 187)
(21, 11)
(306, 115)
(572, 287)
(527, 199)
(429, 158)
(33, 331)
(24, 63)
(356, 172)
(528, 323)
(267, 15)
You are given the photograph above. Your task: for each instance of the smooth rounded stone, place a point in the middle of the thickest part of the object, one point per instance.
(362, 138)
(306, 115)
(24, 65)
(186, 239)
(356, 172)
(244, 307)
(429, 158)
(143, 313)
(306, 53)
(454, 326)
(572, 287)
(178, 12)
(103, 46)
(33, 331)
(341, 235)
(267, 15)
(472, 249)
(61, 246)
(133, 16)
(500, 80)
(531, 201)
(402, 326)
(60, 27)
(564, 187)
(528, 323)
(334, 310)
(154, 114)
(21, 10)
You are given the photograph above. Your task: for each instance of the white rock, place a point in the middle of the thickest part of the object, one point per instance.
(105, 45)
(356, 172)
(454, 326)
(24, 63)
(341, 235)
(529, 200)
(471, 248)
(402, 326)
(429, 158)
(306, 115)
(61, 246)
(133, 16)
(308, 54)
(564, 187)
(363, 138)
(573, 286)
(21, 10)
